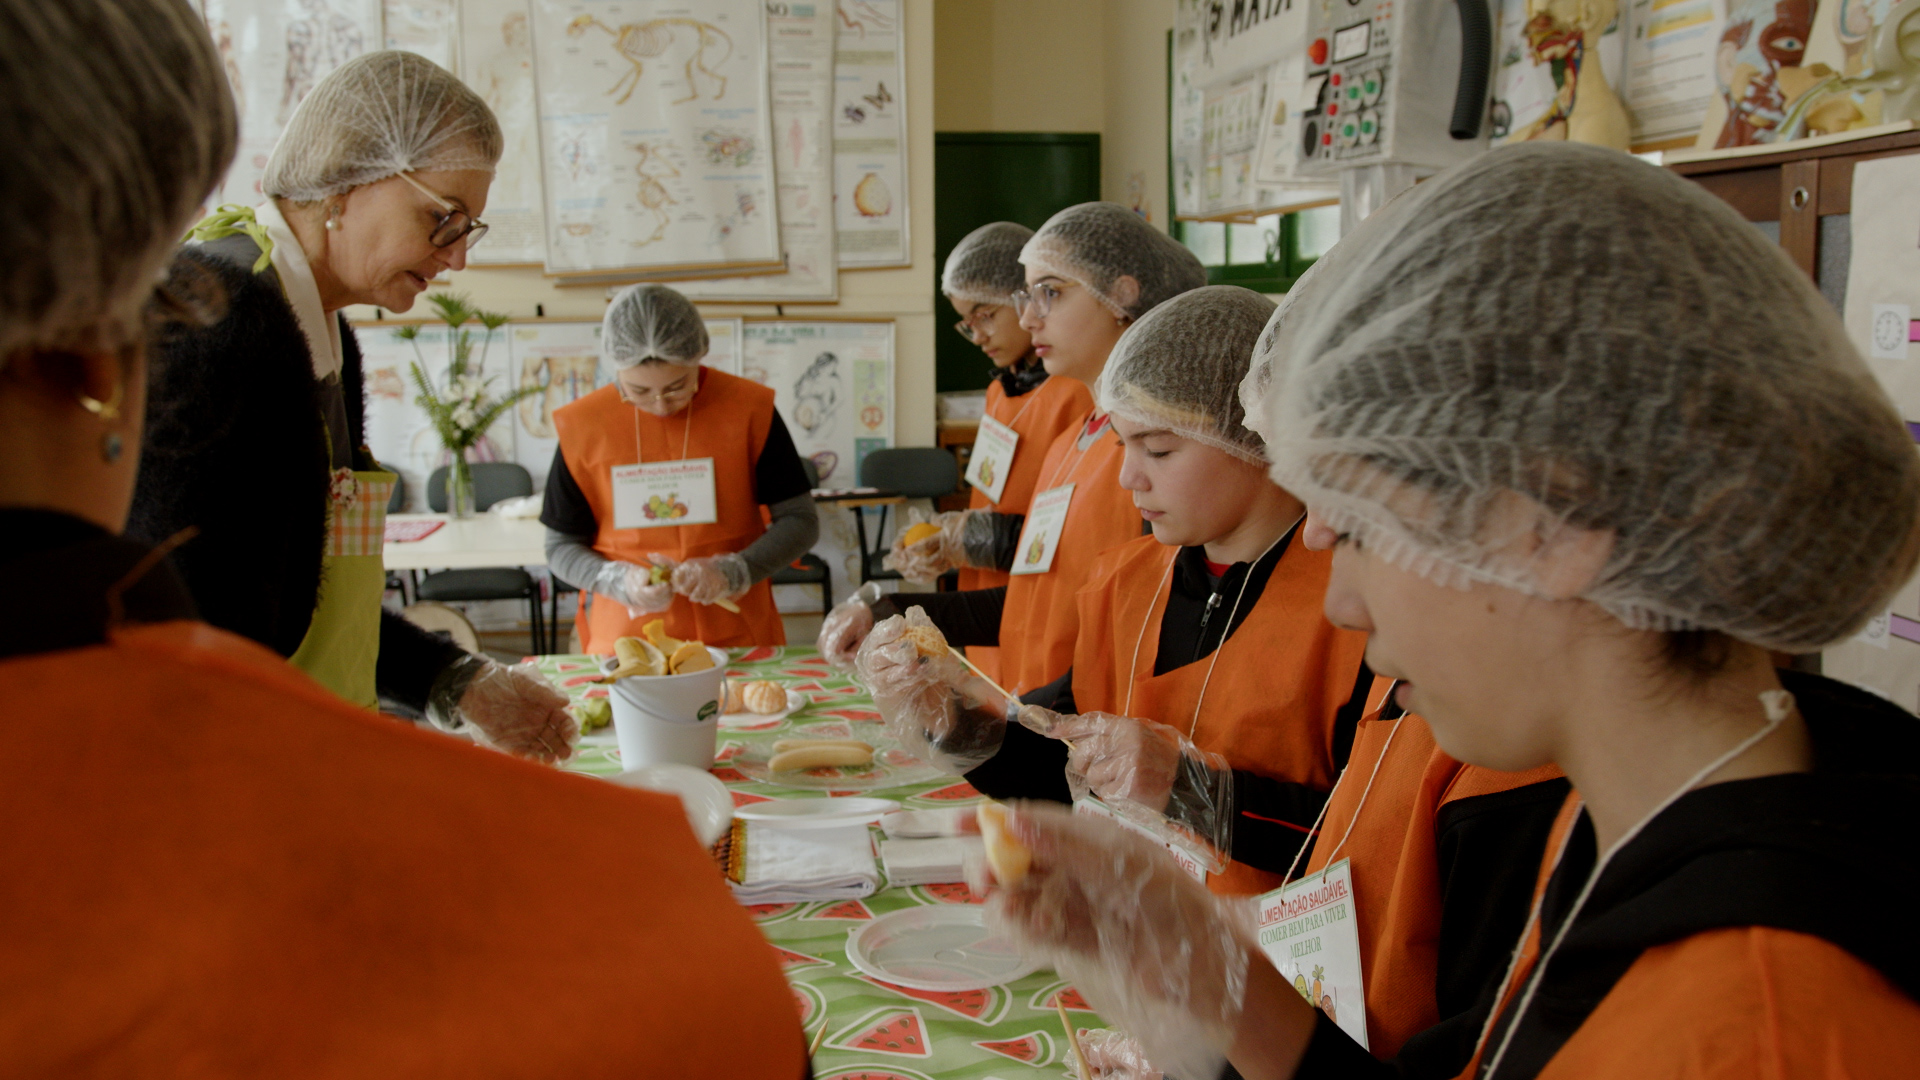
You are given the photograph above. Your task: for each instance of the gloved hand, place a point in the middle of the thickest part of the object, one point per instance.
(710, 579)
(507, 708)
(1116, 1055)
(641, 588)
(847, 625)
(1150, 948)
(937, 708)
(964, 539)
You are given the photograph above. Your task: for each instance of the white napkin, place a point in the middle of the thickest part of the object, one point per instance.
(778, 866)
(524, 506)
(929, 862)
(915, 824)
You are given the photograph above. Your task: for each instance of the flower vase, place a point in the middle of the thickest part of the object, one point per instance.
(460, 487)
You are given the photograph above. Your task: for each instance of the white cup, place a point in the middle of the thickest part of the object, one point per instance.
(669, 718)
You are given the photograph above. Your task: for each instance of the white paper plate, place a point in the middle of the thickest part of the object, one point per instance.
(709, 804)
(816, 813)
(937, 947)
(795, 702)
(891, 767)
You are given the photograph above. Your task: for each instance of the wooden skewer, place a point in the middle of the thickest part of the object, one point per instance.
(818, 1038)
(1073, 1040)
(977, 671)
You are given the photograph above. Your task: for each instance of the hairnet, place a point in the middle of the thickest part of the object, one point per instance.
(984, 267)
(378, 115)
(1571, 325)
(1180, 367)
(652, 322)
(1095, 244)
(118, 122)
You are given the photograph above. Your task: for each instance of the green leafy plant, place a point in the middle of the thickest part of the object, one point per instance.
(466, 408)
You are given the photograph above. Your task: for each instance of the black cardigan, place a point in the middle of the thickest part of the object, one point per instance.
(235, 446)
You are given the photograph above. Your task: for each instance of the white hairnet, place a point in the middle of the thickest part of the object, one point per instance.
(1096, 244)
(1180, 367)
(378, 115)
(984, 267)
(652, 322)
(118, 123)
(1571, 325)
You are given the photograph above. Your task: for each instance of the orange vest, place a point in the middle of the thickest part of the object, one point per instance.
(597, 432)
(1038, 417)
(1041, 619)
(1269, 703)
(1395, 862)
(215, 867)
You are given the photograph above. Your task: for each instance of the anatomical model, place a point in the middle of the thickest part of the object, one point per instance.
(1566, 35)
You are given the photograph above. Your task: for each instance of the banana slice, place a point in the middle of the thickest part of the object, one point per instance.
(656, 632)
(690, 656)
(813, 757)
(1008, 857)
(783, 745)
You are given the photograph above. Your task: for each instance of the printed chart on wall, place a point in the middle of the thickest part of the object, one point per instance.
(1672, 62)
(496, 56)
(870, 134)
(1541, 55)
(800, 47)
(833, 385)
(655, 134)
(1883, 321)
(563, 359)
(426, 27)
(274, 52)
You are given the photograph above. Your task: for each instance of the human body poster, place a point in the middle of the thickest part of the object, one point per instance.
(655, 135)
(870, 134)
(833, 385)
(496, 60)
(1537, 60)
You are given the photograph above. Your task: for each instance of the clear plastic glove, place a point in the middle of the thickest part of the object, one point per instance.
(937, 708)
(710, 579)
(1150, 948)
(847, 625)
(965, 539)
(512, 709)
(641, 588)
(1116, 1055)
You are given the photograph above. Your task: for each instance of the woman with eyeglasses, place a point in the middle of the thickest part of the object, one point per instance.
(654, 501)
(256, 425)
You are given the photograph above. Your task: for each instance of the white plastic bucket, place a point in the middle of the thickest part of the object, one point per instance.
(669, 719)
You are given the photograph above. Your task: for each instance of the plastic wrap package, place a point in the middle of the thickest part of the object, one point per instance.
(512, 709)
(984, 267)
(652, 322)
(377, 115)
(1179, 368)
(964, 538)
(932, 702)
(1555, 341)
(641, 589)
(1096, 244)
(710, 579)
(847, 625)
(1151, 950)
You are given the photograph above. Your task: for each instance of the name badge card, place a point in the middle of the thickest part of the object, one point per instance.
(650, 496)
(992, 457)
(1307, 929)
(1046, 518)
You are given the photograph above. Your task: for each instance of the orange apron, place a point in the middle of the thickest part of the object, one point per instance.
(733, 414)
(1041, 619)
(1038, 417)
(1267, 706)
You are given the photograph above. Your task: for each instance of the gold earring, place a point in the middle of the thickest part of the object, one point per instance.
(109, 409)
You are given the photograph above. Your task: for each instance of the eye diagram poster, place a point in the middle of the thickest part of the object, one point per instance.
(496, 60)
(800, 46)
(655, 135)
(870, 134)
(425, 27)
(833, 385)
(274, 52)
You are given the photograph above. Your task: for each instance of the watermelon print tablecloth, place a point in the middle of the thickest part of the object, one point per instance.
(874, 1031)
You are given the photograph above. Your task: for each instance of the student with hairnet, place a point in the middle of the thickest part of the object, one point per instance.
(1603, 488)
(256, 435)
(1026, 410)
(654, 500)
(214, 866)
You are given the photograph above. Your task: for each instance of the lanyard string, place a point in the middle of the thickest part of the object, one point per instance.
(1030, 395)
(640, 453)
(1778, 705)
(1288, 878)
(1075, 454)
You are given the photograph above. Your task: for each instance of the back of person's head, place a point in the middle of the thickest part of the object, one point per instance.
(1560, 336)
(1109, 250)
(984, 267)
(118, 123)
(378, 115)
(652, 322)
(1179, 368)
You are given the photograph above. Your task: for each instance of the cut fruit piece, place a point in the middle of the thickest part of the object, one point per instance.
(920, 532)
(656, 632)
(690, 656)
(1006, 855)
(815, 757)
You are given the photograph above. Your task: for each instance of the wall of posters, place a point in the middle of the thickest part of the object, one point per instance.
(833, 384)
(1539, 54)
(398, 431)
(869, 134)
(496, 60)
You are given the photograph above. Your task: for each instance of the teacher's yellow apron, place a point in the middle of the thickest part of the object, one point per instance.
(342, 645)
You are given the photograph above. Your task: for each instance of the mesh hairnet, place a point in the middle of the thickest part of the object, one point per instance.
(1180, 367)
(1571, 325)
(377, 115)
(118, 122)
(1095, 244)
(984, 267)
(652, 322)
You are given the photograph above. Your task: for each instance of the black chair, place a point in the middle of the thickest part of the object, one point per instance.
(917, 472)
(808, 569)
(492, 482)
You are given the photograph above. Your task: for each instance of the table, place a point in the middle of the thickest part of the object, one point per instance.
(1007, 1032)
(480, 541)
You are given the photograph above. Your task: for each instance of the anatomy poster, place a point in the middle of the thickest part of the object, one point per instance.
(800, 43)
(833, 385)
(1670, 82)
(870, 134)
(274, 52)
(496, 58)
(1540, 51)
(655, 134)
(426, 27)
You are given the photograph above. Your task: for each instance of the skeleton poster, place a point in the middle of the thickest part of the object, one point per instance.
(800, 39)
(274, 52)
(833, 385)
(655, 135)
(870, 134)
(496, 60)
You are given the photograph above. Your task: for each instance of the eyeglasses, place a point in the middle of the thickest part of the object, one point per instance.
(1040, 297)
(454, 225)
(977, 327)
